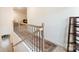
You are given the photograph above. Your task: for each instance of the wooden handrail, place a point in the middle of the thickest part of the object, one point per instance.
(33, 25)
(29, 25)
(18, 43)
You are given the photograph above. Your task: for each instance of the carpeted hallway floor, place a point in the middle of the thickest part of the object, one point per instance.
(6, 47)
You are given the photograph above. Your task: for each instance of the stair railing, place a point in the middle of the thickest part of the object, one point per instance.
(37, 37)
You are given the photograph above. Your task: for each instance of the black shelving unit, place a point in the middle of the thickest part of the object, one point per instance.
(73, 35)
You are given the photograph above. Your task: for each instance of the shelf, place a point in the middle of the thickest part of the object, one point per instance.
(71, 42)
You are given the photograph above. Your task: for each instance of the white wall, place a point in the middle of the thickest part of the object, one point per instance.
(6, 26)
(6, 17)
(55, 19)
(19, 14)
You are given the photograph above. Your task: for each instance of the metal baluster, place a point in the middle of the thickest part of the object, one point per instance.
(34, 39)
(19, 26)
(39, 41)
(12, 47)
(42, 36)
